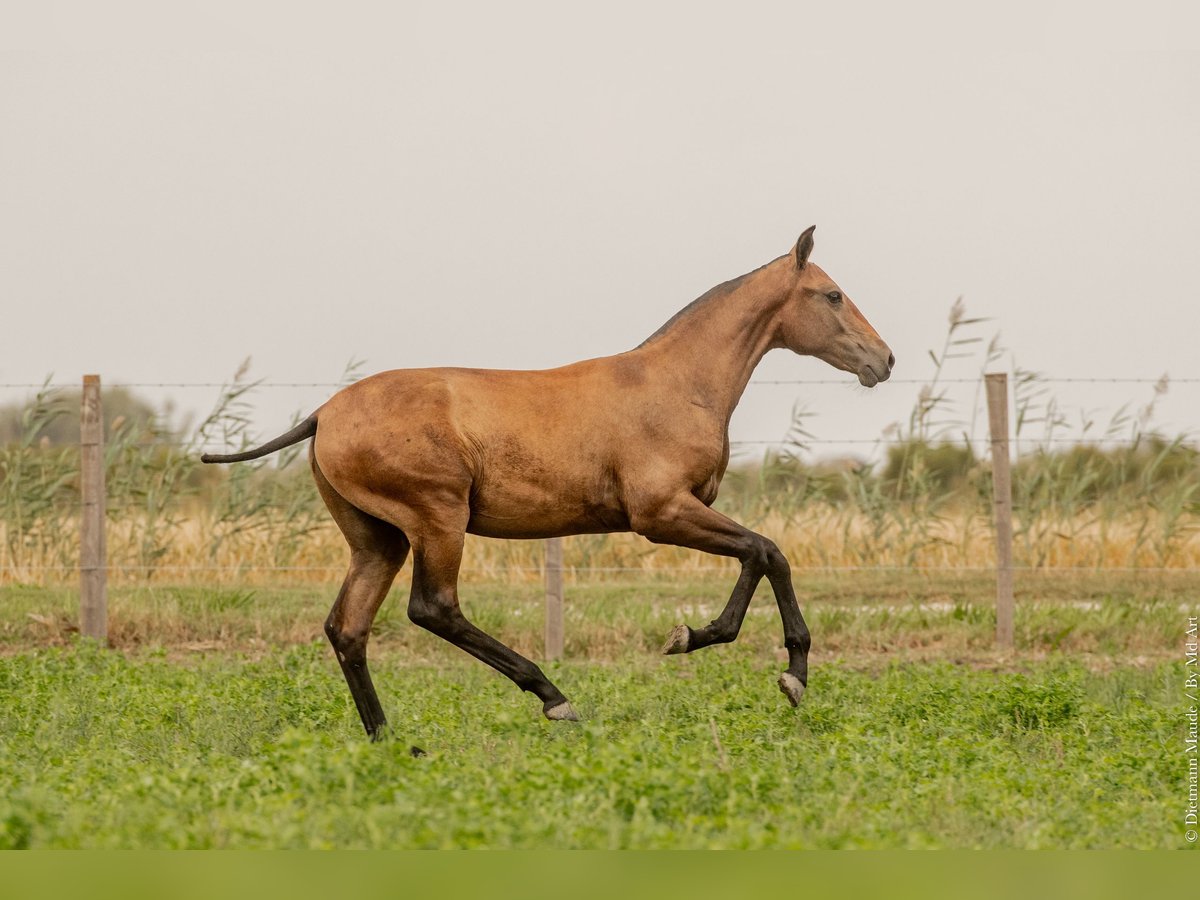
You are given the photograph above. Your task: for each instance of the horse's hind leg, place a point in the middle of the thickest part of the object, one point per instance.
(377, 551)
(434, 606)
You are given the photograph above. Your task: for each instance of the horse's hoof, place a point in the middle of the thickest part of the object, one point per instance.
(416, 752)
(677, 640)
(563, 712)
(792, 688)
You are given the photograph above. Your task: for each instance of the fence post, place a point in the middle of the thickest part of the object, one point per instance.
(93, 576)
(554, 598)
(997, 400)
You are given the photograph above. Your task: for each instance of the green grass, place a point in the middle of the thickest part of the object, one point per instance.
(220, 719)
(104, 749)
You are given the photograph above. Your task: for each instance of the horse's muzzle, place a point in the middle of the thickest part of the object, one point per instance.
(871, 374)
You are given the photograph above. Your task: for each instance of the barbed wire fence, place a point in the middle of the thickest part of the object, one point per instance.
(89, 567)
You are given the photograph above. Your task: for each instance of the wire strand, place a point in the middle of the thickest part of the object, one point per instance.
(844, 382)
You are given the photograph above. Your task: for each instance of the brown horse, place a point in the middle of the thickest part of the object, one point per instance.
(417, 458)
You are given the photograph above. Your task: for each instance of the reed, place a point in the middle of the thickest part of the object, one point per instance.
(1109, 494)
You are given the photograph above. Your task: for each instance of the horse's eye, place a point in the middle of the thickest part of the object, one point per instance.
(835, 297)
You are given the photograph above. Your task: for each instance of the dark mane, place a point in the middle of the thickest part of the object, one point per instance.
(721, 290)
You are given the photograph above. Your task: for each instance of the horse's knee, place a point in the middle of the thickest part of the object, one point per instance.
(764, 555)
(436, 615)
(776, 562)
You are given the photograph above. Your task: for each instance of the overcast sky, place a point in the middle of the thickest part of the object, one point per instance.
(523, 185)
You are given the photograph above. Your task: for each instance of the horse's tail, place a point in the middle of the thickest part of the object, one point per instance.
(304, 430)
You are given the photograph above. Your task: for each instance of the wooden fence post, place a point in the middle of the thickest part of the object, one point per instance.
(997, 400)
(93, 588)
(554, 598)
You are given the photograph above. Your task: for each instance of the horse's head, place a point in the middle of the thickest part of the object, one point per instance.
(819, 320)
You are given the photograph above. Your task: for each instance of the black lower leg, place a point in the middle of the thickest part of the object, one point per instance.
(524, 674)
(725, 627)
(444, 619)
(363, 692)
(796, 637)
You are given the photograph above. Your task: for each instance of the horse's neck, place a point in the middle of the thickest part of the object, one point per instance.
(710, 350)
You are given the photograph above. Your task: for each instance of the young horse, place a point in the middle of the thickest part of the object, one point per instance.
(416, 458)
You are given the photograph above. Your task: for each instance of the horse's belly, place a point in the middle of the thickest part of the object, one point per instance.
(523, 510)
(549, 523)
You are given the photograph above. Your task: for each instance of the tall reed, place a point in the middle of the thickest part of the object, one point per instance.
(1100, 493)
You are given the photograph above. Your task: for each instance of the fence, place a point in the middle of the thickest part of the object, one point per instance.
(93, 566)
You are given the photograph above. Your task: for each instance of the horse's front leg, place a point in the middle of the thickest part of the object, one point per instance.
(686, 522)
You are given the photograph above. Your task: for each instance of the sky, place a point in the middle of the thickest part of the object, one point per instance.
(520, 185)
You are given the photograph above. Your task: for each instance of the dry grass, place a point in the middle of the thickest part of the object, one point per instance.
(823, 536)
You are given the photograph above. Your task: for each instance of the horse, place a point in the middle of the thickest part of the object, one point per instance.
(412, 460)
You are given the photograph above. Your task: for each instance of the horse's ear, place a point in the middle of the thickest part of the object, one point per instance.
(804, 246)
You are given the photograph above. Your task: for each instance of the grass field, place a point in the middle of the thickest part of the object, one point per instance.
(220, 719)
(100, 750)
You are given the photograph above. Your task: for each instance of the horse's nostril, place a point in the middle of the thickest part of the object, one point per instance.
(891, 360)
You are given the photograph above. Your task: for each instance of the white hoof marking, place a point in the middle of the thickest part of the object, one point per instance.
(791, 687)
(564, 712)
(677, 640)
